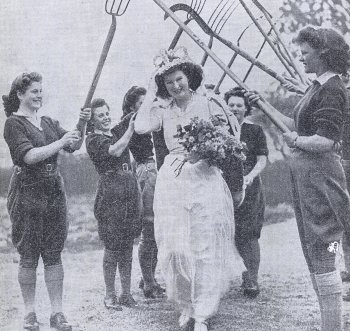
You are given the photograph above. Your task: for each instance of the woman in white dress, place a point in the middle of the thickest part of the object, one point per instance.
(194, 217)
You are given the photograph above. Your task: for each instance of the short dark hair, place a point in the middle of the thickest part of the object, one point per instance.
(21, 83)
(131, 97)
(238, 92)
(332, 46)
(192, 71)
(95, 103)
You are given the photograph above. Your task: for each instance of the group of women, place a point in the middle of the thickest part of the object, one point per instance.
(188, 220)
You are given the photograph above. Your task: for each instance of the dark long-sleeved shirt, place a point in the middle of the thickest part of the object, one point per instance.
(322, 110)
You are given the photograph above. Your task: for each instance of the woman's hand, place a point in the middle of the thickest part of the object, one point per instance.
(152, 87)
(289, 138)
(132, 122)
(294, 85)
(253, 97)
(85, 114)
(70, 138)
(248, 180)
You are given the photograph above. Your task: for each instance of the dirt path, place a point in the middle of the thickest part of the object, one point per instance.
(287, 301)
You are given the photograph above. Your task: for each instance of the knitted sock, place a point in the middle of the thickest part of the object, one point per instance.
(125, 275)
(27, 282)
(314, 285)
(254, 260)
(154, 259)
(110, 263)
(54, 283)
(346, 252)
(145, 259)
(330, 297)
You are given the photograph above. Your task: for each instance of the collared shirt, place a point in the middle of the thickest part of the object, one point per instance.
(325, 76)
(108, 133)
(322, 108)
(36, 123)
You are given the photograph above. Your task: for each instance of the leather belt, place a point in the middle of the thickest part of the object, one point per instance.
(124, 168)
(48, 169)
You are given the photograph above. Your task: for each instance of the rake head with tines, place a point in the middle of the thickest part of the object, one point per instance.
(197, 6)
(221, 14)
(114, 9)
(217, 21)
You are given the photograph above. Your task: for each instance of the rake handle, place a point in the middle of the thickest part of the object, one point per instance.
(256, 56)
(230, 45)
(286, 65)
(271, 112)
(268, 18)
(251, 59)
(217, 87)
(177, 36)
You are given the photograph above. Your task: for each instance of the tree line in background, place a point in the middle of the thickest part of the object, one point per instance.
(81, 178)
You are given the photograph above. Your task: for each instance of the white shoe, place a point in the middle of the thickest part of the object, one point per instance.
(201, 326)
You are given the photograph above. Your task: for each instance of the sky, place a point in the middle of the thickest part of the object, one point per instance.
(63, 40)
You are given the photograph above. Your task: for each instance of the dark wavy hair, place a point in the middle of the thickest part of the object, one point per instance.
(95, 103)
(21, 83)
(238, 92)
(192, 71)
(131, 97)
(334, 49)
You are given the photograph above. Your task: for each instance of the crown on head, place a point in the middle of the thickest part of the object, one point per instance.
(167, 59)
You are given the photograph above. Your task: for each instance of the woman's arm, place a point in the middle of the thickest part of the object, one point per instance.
(258, 168)
(253, 97)
(39, 154)
(315, 143)
(118, 148)
(295, 85)
(147, 119)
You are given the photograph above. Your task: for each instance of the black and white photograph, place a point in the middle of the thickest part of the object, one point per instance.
(175, 165)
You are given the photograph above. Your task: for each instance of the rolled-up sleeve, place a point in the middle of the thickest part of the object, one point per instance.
(97, 147)
(17, 140)
(261, 145)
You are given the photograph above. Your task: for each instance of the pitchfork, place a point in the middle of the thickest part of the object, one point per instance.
(110, 10)
(197, 7)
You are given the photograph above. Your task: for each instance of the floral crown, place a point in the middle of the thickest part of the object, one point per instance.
(168, 59)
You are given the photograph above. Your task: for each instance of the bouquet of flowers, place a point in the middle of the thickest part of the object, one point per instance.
(210, 141)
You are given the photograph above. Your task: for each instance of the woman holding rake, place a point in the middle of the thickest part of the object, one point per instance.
(321, 201)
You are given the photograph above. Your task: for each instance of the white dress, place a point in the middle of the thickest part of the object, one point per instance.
(194, 219)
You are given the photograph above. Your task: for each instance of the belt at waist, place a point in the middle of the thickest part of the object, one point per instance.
(48, 169)
(146, 161)
(124, 168)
